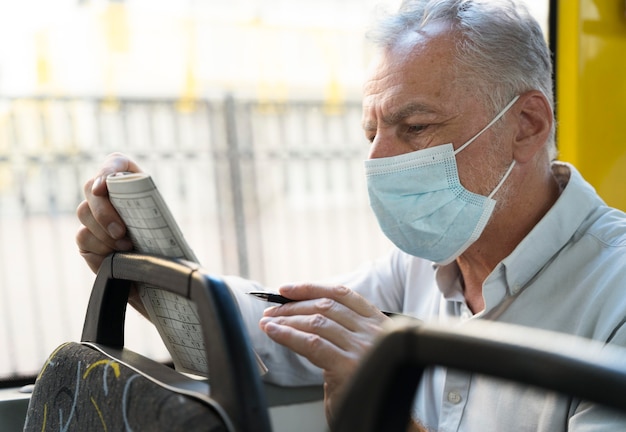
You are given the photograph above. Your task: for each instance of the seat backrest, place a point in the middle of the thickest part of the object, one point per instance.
(99, 383)
(380, 394)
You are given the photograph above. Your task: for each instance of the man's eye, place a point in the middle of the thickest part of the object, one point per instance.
(415, 128)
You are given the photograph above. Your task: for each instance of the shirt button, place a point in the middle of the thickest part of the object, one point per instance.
(454, 397)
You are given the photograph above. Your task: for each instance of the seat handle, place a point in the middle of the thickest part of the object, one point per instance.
(237, 385)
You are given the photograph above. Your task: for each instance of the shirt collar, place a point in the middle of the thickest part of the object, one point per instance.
(577, 200)
(449, 281)
(554, 230)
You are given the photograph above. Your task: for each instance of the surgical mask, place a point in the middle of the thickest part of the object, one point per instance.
(421, 205)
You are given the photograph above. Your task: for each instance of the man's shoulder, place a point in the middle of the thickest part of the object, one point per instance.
(586, 209)
(607, 226)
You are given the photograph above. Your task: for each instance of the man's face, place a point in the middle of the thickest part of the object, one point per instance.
(414, 100)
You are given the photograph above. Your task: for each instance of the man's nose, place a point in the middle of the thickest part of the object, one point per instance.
(386, 145)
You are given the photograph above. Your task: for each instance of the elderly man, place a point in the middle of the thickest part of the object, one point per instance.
(458, 110)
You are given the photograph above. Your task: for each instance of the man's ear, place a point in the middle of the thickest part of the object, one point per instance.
(534, 122)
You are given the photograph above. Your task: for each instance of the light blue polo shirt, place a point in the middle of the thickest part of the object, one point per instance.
(568, 275)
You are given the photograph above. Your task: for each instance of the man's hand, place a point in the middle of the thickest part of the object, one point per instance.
(102, 230)
(332, 326)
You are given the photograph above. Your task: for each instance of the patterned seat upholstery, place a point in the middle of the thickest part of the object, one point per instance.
(81, 389)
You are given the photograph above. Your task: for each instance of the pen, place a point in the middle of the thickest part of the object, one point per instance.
(277, 298)
(270, 297)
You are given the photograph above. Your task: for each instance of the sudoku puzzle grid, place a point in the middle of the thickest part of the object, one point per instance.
(147, 226)
(179, 323)
(180, 326)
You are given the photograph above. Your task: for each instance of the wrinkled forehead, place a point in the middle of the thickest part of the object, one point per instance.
(420, 70)
(419, 59)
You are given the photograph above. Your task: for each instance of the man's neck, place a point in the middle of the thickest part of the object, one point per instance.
(508, 227)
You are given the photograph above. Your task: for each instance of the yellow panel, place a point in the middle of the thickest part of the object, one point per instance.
(591, 85)
(567, 79)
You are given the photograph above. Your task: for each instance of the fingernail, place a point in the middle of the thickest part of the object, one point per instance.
(285, 289)
(271, 328)
(269, 310)
(115, 230)
(96, 183)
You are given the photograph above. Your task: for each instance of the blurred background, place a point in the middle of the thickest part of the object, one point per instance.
(246, 113)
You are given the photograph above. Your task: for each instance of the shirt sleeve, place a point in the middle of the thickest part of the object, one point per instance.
(380, 281)
(284, 366)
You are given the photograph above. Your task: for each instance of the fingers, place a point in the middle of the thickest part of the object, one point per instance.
(101, 214)
(113, 163)
(341, 324)
(339, 294)
(337, 302)
(317, 349)
(94, 261)
(96, 195)
(320, 326)
(102, 230)
(331, 326)
(93, 242)
(93, 237)
(338, 364)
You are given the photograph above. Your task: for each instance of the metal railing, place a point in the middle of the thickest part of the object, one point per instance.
(273, 192)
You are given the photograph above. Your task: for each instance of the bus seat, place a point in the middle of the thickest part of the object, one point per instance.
(380, 395)
(98, 384)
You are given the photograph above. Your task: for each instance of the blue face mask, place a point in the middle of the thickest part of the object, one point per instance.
(421, 205)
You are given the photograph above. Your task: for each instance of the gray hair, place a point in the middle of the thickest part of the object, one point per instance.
(502, 49)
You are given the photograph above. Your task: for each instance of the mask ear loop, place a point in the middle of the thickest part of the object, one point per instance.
(504, 177)
(500, 114)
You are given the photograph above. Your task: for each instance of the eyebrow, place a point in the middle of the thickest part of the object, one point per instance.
(407, 110)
